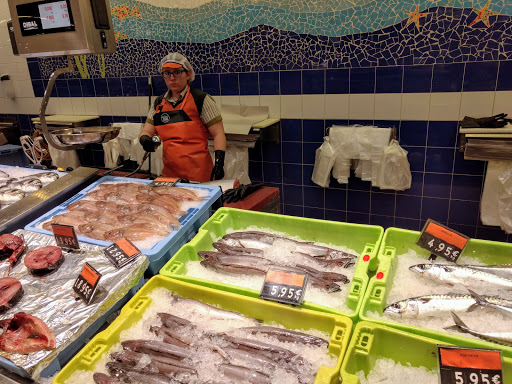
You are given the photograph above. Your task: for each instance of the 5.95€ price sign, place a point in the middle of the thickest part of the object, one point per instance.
(284, 286)
(442, 241)
(86, 283)
(65, 236)
(459, 365)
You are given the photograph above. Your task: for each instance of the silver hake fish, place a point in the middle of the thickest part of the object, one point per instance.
(456, 274)
(504, 338)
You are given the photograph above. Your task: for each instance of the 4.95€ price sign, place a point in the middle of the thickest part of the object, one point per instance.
(442, 241)
(86, 283)
(459, 365)
(284, 286)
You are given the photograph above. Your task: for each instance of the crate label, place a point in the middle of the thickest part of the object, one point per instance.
(121, 252)
(458, 365)
(65, 236)
(284, 287)
(442, 241)
(86, 283)
(164, 181)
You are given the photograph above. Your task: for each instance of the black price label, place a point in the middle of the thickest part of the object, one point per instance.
(121, 252)
(442, 241)
(164, 182)
(459, 365)
(86, 283)
(65, 236)
(284, 287)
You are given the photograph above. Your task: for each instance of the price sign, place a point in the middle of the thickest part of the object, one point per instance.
(164, 181)
(121, 252)
(442, 241)
(86, 283)
(284, 287)
(65, 236)
(459, 365)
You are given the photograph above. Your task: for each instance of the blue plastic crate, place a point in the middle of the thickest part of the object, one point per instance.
(162, 251)
(13, 155)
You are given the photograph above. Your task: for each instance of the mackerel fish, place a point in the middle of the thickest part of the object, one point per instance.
(27, 185)
(504, 338)
(8, 196)
(503, 270)
(456, 274)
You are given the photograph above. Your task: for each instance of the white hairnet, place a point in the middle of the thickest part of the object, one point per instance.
(178, 58)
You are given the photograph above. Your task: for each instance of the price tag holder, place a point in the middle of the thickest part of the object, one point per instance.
(121, 252)
(284, 286)
(86, 283)
(65, 236)
(164, 182)
(458, 365)
(442, 241)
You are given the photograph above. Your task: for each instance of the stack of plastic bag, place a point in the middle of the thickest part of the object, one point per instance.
(368, 151)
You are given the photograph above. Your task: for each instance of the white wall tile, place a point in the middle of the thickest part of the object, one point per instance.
(336, 106)
(104, 106)
(118, 107)
(66, 107)
(503, 103)
(291, 106)
(252, 100)
(217, 99)
(361, 106)
(388, 106)
(91, 106)
(415, 106)
(273, 102)
(143, 106)
(53, 107)
(230, 100)
(476, 104)
(23, 88)
(313, 106)
(445, 106)
(78, 105)
(132, 106)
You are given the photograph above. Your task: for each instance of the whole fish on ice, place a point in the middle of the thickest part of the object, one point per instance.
(503, 270)
(456, 274)
(4, 175)
(27, 185)
(504, 338)
(8, 195)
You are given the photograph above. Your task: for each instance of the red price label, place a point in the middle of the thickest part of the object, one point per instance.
(284, 286)
(442, 241)
(86, 283)
(65, 236)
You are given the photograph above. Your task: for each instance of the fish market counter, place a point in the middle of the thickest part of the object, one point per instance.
(26, 206)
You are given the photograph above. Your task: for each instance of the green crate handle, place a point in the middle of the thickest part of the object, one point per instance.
(220, 218)
(337, 334)
(364, 343)
(175, 266)
(96, 351)
(140, 305)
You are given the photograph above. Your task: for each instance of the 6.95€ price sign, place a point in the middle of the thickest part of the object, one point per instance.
(284, 286)
(86, 283)
(459, 365)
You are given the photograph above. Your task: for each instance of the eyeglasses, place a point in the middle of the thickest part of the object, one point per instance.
(175, 74)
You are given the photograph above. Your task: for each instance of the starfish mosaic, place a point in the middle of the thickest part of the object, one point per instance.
(414, 17)
(483, 15)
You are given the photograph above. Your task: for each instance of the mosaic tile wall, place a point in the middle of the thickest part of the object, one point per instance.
(326, 48)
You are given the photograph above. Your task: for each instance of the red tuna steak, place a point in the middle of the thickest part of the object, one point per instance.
(44, 260)
(25, 333)
(10, 292)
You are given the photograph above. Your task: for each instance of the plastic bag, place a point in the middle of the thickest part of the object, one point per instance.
(324, 161)
(505, 201)
(394, 171)
(236, 163)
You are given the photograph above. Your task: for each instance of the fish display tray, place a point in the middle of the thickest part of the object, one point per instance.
(13, 155)
(370, 342)
(364, 239)
(51, 298)
(339, 327)
(163, 250)
(398, 241)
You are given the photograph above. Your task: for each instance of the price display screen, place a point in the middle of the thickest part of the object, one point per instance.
(86, 283)
(442, 241)
(45, 17)
(459, 365)
(121, 252)
(284, 286)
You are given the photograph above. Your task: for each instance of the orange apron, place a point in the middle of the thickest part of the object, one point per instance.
(184, 139)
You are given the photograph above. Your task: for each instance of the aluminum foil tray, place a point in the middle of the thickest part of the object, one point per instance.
(52, 299)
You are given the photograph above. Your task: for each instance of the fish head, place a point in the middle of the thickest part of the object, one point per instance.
(402, 308)
(420, 268)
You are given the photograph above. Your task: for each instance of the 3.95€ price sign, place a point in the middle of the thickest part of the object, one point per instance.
(86, 283)
(65, 236)
(459, 365)
(442, 241)
(284, 286)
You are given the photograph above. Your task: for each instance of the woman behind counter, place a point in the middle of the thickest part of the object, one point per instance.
(184, 118)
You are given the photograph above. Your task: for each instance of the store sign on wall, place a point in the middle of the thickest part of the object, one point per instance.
(442, 241)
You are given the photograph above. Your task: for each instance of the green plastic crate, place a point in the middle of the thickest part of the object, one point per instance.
(397, 242)
(364, 239)
(339, 327)
(373, 341)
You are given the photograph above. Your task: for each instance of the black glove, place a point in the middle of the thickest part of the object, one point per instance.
(237, 194)
(218, 167)
(497, 121)
(147, 143)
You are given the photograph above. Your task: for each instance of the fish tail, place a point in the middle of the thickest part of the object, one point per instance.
(480, 300)
(459, 323)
